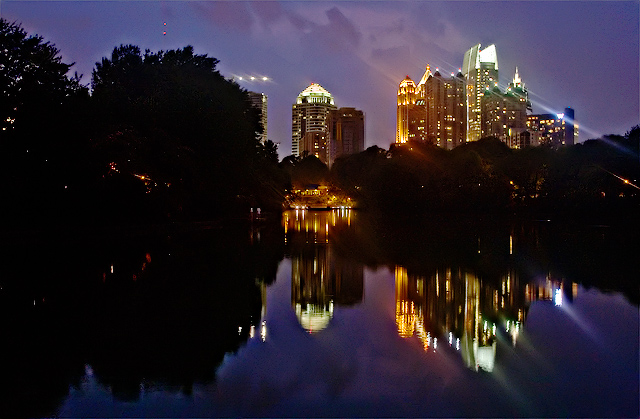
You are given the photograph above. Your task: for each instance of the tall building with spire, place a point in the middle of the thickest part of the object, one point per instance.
(504, 115)
(309, 126)
(434, 111)
(480, 68)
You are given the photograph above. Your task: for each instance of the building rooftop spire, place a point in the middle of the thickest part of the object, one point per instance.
(516, 78)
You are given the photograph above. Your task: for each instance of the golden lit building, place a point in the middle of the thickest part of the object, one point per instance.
(434, 111)
(406, 103)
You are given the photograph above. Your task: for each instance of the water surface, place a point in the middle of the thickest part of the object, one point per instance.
(330, 314)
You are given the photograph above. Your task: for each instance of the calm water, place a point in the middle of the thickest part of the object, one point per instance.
(326, 314)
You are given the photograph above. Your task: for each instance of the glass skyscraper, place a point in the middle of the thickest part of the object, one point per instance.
(480, 68)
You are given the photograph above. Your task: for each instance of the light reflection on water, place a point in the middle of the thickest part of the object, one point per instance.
(356, 367)
(347, 330)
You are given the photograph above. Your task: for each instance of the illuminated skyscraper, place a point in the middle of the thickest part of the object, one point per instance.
(504, 115)
(433, 111)
(346, 132)
(259, 101)
(480, 67)
(406, 102)
(309, 122)
(446, 111)
(553, 129)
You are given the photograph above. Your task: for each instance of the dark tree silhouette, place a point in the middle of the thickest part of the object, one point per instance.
(190, 131)
(42, 125)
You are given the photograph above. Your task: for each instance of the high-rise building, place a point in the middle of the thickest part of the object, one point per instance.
(504, 115)
(570, 129)
(346, 132)
(480, 68)
(309, 122)
(259, 101)
(406, 104)
(445, 110)
(553, 129)
(412, 110)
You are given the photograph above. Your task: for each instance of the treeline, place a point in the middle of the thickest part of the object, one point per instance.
(160, 136)
(163, 136)
(598, 177)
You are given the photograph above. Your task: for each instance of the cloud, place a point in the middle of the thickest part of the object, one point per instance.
(267, 12)
(342, 28)
(226, 15)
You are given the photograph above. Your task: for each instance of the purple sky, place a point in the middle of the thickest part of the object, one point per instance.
(580, 54)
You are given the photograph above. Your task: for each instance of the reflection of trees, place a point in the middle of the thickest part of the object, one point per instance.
(600, 256)
(175, 323)
(321, 275)
(143, 312)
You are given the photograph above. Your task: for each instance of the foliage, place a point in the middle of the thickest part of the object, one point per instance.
(487, 177)
(165, 136)
(171, 117)
(305, 171)
(41, 122)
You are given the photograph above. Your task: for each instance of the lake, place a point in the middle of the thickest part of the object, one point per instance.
(327, 314)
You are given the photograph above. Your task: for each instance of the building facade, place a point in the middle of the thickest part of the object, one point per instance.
(553, 130)
(480, 69)
(259, 101)
(445, 98)
(309, 127)
(504, 114)
(471, 105)
(434, 111)
(346, 132)
(406, 111)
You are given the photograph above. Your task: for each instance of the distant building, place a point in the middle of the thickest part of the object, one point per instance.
(309, 122)
(480, 68)
(346, 132)
(449, 111)
(446, 123)
(259, 101)
(553, 129)
(434, 111)
(406, 111)
(504, 115)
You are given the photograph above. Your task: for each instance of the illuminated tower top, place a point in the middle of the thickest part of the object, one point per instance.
(315, 94)
(406, 90)
(480, 68)
(425, 77)
(517, 81)
(475, 58)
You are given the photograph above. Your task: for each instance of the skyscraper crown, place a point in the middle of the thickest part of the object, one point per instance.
(316, 94)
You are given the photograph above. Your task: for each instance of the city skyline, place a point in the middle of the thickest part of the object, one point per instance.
(582, 55)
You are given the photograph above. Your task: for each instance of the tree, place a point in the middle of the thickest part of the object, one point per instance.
(41, 122)
(197, 129)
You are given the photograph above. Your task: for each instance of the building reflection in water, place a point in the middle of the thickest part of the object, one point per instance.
(454, 307)
(321, 277)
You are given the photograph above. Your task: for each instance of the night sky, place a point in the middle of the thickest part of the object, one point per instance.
(580, 54)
